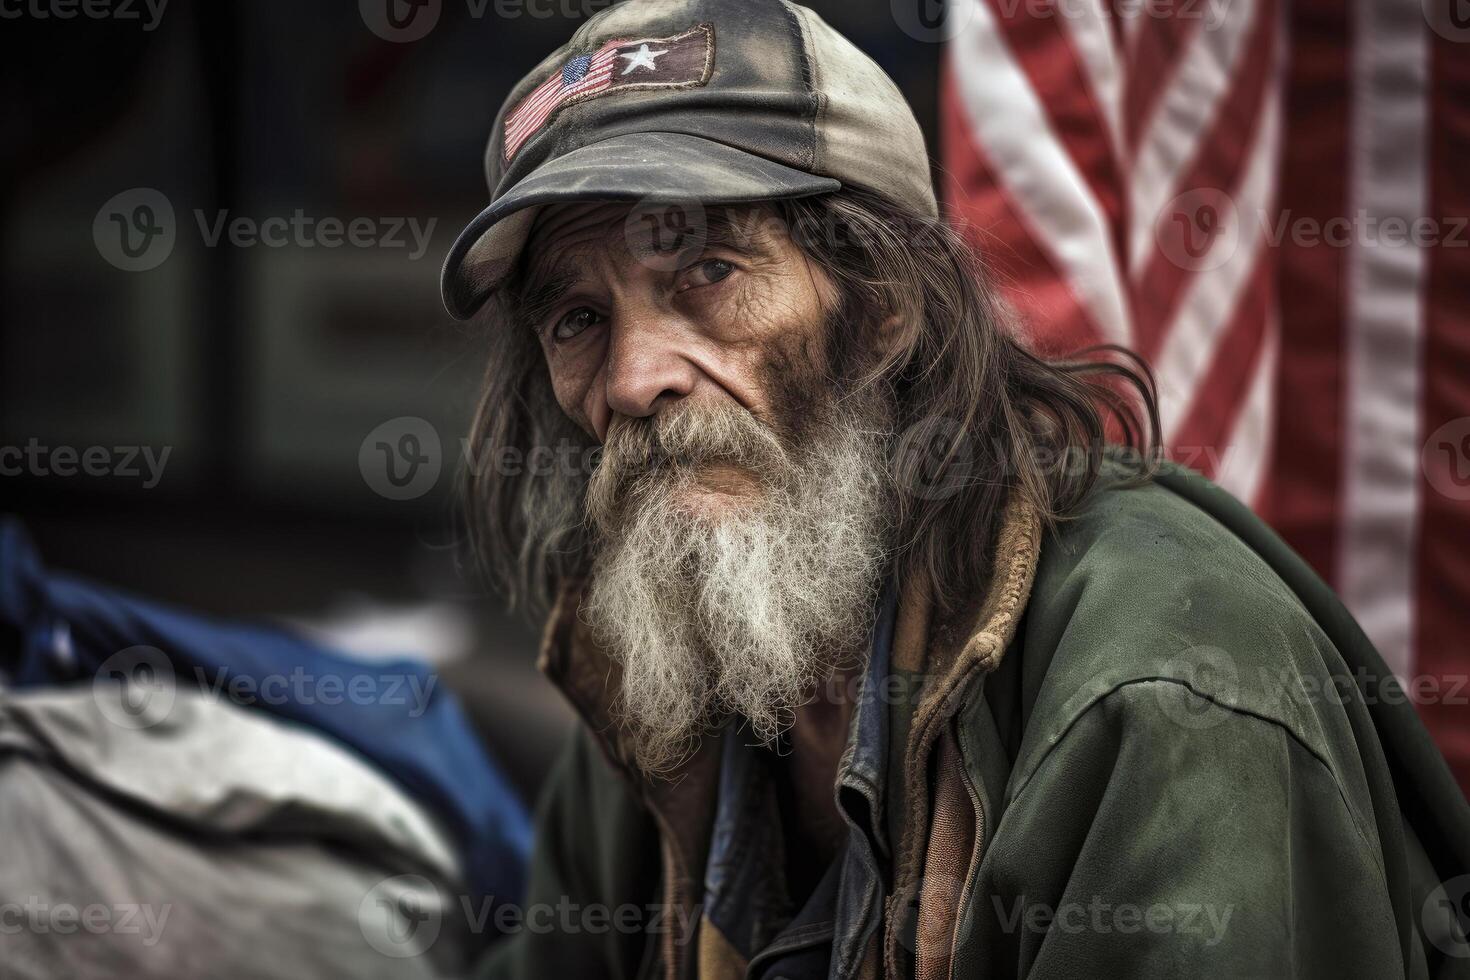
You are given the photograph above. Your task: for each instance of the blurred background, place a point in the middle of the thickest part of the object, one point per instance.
(261, 357)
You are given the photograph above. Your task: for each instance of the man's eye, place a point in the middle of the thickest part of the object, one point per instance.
(705, 273)
(574, 323)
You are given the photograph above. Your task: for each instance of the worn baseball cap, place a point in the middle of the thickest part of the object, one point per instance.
(673, 101)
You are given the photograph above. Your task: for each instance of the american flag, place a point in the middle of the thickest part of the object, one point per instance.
(1268, 200)
(580, 76)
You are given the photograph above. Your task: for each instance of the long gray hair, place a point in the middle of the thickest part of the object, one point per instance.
(979, 415)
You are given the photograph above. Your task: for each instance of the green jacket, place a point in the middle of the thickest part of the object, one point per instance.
(1156, 745)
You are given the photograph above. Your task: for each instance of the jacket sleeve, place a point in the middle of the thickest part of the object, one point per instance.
(1164, 835)
(590, 902)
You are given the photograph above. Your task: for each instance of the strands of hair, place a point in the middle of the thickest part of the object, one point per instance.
(992, 417)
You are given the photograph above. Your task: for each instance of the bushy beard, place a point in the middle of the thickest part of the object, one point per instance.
(740, 609)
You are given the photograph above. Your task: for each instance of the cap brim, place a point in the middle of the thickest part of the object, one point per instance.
(654, 168)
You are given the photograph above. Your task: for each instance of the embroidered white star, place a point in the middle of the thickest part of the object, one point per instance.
(642, 58)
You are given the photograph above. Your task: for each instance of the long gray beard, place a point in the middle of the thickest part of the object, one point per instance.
(744, 612)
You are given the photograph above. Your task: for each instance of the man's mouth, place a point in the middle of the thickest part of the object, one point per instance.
(725, 478)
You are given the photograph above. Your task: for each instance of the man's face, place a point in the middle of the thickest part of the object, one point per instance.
(739, 507)
(725, 324)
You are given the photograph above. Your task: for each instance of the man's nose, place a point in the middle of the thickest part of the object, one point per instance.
(647, 365)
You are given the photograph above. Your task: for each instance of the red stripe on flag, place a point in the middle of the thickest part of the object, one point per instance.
(1157, 48)
(1220, 164)
(1303, 498)
(1046, 55)
(1442, 609)
(1220, 396)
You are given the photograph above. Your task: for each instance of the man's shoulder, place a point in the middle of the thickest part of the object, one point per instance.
(1145, 597)
(1141, 560)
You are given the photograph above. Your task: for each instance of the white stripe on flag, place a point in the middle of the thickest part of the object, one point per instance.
(1092, 38)
(1384, 325)
(1007, 120)
(1247, 452)
(1170, 139)
(1208, 305)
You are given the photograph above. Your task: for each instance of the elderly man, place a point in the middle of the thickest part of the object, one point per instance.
(886, 664)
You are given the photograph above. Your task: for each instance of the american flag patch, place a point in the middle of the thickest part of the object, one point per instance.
(682, 61)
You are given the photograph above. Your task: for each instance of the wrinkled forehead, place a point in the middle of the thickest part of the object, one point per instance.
(570, 236)
(563, 231)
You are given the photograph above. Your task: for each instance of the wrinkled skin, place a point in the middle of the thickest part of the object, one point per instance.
(628, 332)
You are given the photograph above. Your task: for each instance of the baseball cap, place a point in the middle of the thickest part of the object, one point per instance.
(672, 101)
